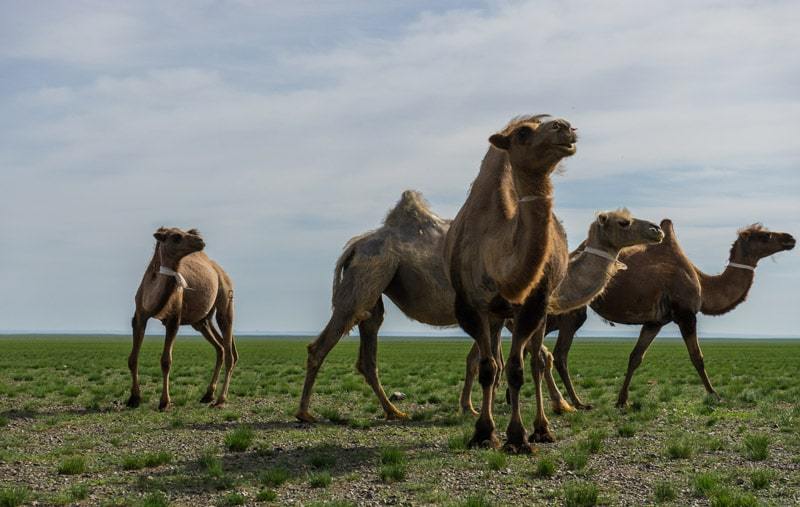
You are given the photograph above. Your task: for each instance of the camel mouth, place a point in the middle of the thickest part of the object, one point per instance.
(566, 147)
(788, 245)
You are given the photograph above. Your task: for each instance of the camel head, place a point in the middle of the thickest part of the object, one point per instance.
(618, 230)
(174, 243)
(536, 144)
(756, 242)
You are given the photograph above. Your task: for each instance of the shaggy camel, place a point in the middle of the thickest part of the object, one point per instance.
(662, 286)
(591, 266)
(505, 255)
(183, 286)
(403, 260)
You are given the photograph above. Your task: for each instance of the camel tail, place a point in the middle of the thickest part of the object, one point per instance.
(343, 262)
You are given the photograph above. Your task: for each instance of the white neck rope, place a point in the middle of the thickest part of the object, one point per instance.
(605, 255)
(163, 270)
(742, 266)
(529, 198)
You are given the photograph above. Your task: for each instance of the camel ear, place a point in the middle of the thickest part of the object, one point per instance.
(500, 141)
(160, 235)
(602, 218)
(193, 232)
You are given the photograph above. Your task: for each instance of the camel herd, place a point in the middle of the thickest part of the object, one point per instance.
(502, 262)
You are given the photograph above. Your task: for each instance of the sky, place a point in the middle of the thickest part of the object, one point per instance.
(282, 129)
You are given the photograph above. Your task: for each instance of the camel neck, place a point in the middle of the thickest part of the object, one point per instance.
(586, 278)
(723, 292)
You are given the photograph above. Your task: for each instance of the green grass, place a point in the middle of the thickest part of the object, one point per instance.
(580, 494)
(239, 439)
(729, 498)
(14, 496)
(664, 491)
(72, 466)
(156, 499)
(232, 499)
(62, 398)
(756, 447)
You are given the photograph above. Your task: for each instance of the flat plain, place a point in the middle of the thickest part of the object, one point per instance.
(66, 437)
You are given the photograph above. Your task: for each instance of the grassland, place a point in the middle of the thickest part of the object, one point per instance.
(66, 438)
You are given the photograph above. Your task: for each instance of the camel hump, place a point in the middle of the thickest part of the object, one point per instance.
(412, 210)
(669, 230)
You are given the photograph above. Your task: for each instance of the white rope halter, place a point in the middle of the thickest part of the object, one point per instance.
(742, 266)
(529, 198)
(163, 270)
(600, 253)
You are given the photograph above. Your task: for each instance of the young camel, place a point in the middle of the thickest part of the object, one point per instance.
(403, 260)
(505, 255)
(662, 285)
(591, 266)
(183, 286)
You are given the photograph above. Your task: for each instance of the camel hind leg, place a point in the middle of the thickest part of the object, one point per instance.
(473, 364)
(209, 333)
(225, 322)
(172, 326)
(568, 325)
(367, 363)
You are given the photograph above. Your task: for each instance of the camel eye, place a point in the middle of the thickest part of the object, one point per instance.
(556, 126)
(177, 239)
(624, 223)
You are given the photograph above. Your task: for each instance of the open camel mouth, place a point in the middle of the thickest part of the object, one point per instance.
(569, 148)
(788, 245)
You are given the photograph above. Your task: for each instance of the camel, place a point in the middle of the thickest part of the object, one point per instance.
(661, 286)
(180, 286)
(403, 261)
(505, 255)
(590, 268)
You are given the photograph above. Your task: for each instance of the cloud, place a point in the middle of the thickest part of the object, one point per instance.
(281, 146)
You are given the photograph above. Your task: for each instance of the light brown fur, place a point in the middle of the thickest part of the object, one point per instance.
(159, 296)
(505, 256)
(661, 286)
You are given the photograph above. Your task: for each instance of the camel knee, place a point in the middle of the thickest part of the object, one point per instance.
(515, 374)
(166, 363)
(487, 371)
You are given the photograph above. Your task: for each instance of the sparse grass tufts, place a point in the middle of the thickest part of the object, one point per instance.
(756, 447)
(575, 458)
(147, 460)
(476, 501)
(157, 499)
(594, 441)
(275, 476)
(78, 492)
(392, 472)
(319, 479)
(580, 494)
(546, 467)
(679, 447)
(496, 460)
(626, 430)
(459, 442)
(239, 439)
(267, 495)
(760, 479)
(392, 456)
(212, 465)
(72, 466)
(232, 499)
(727, 498)
(705, 484)
(12, 497)
(664, 491)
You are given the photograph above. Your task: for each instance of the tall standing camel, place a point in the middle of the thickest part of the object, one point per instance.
(591, 266)
(661, 286)
(403, 260)
(183, 286)
(505, 255)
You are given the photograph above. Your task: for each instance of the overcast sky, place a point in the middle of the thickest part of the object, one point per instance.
(281, 129)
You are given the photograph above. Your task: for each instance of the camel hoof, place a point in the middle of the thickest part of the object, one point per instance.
(484, 441)
(469, 411)
(396, 416)
(622, 405)
(305, 417)
(562, 407)
(522, 447)
(133, 402)
(207, 398)
(218, 404)
(584, 406)
(542, 436)
(164, 406)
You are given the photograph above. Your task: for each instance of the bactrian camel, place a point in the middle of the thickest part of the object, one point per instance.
(183, 286)
(591, 266)
(505, 255)
(661, 285)
(402, 260)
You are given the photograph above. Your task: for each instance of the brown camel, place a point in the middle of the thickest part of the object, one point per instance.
(505, 255)
(590, 268)
(403, 260)
(662, 285)
(183, 286)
